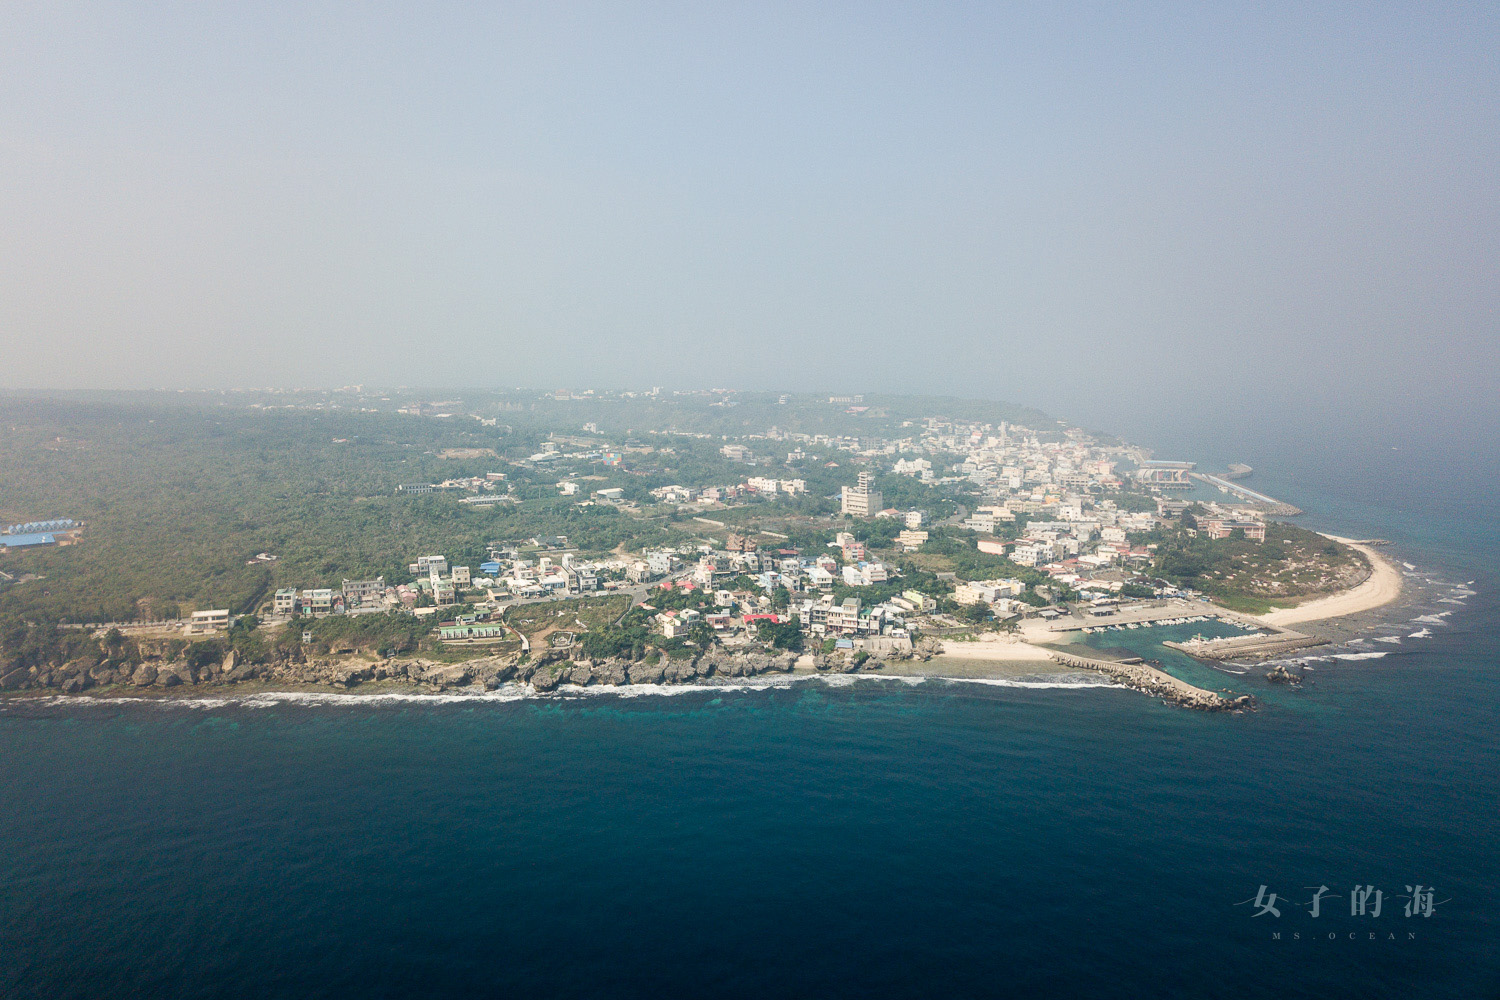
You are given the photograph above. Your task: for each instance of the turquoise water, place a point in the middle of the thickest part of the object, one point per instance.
(880, 839)
(1147, 644)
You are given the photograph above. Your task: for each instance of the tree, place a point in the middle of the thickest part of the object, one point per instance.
(781, 635)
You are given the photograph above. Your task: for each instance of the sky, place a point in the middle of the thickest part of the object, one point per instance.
(1200, 212)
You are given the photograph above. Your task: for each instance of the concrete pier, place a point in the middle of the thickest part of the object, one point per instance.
(1249, 647)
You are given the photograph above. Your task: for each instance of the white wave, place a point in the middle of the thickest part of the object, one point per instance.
(1423, 634)
(1408, 565)
(1360, 656)
(1430, 619)
(267, 699)
(1082, 682)
(1388, 638)
(1464, 592)
(512, 692)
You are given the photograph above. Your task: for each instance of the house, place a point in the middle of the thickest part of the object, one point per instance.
(472, 630)
(285, 601)
(427, 565)
(320, 601)
(205, 622)
(1255, 531)
(819, 578)
(912, 540)
(358, 593)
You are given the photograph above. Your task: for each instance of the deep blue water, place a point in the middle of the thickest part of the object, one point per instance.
(873, 840)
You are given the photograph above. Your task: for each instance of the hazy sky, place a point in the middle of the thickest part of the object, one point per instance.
(1179, 205)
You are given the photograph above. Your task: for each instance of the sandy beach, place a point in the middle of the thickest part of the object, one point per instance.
(996, 648)
(1382, 587)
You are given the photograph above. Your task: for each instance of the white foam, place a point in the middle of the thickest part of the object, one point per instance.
(1360, 656)
(512, 692)
(1430, 620)
(1038, 685)
(1423, 634)
(1388, 638)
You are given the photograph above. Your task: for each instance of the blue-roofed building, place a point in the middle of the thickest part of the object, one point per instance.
(26, 541)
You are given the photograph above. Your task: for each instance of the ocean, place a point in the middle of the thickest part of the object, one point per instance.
(874, 838)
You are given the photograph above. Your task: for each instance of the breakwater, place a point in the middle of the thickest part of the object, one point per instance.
(1269, 504)
(1249, 647)
(1147, 679)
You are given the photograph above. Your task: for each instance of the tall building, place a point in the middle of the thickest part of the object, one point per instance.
(862, 500)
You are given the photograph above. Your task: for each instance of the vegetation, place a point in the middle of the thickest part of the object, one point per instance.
(1291, 565)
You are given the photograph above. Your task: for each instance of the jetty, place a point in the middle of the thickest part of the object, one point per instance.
(1269, 504)
(1140, 676)
(1247, 647)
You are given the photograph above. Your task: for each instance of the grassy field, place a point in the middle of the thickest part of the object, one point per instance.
(537, 621)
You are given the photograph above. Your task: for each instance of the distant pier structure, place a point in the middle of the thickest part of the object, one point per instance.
(1269, 504)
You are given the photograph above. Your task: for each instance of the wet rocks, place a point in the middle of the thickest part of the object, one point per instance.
(1281, 675)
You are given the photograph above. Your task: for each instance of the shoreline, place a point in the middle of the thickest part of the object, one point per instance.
(993, 658)
(512, 692)
(1380, 588)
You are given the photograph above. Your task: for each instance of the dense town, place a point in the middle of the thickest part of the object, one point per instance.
(1067, 517)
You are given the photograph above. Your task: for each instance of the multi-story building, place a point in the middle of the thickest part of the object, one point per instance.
(862, 500)
(319, 601)
(1255, 531)
(427, 565)
(361, 592)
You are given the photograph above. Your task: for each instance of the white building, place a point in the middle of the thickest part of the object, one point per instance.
(862, 500)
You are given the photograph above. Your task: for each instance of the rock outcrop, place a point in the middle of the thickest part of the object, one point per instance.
(158, 666)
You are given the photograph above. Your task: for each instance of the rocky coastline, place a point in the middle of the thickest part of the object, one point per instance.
(157, 670)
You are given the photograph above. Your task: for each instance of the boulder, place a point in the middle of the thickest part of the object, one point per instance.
(350, 675)
(445, 676)
(229, 661)
(613, 672)
(582, 674)
(546, 678)
(13, 680)
(144, 676)
(646, 673)
(680, 671)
